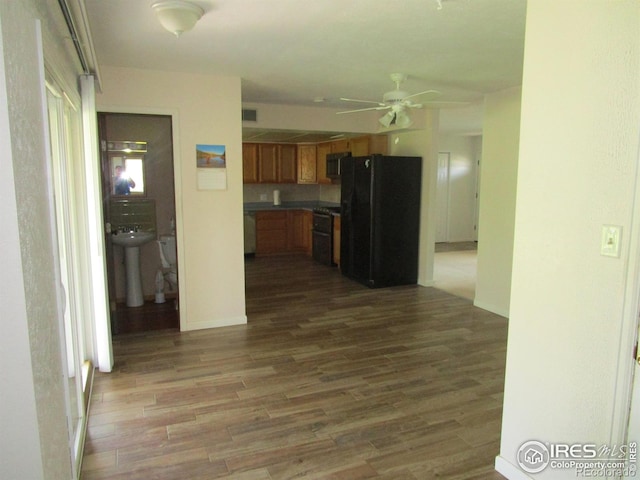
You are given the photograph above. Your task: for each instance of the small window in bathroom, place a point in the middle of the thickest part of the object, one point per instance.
(127, 174)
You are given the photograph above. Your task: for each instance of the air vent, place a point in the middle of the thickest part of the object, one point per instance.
(249, 115)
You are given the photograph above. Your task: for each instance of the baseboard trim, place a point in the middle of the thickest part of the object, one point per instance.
(217, 323)
(509, 470)
(491, 308)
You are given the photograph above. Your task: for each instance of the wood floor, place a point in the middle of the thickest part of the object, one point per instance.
(150, 316)
(329, 380)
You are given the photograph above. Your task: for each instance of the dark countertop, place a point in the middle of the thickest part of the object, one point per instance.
(251, 207)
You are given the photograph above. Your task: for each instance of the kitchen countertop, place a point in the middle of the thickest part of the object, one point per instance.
(251, 207)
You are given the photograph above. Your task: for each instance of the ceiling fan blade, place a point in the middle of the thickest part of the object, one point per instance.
(385, 107)
(422, 93)
(361, 101)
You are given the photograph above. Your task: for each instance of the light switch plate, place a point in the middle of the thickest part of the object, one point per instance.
(610, 246)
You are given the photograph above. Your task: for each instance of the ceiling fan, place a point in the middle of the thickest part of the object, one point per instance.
(396, 101)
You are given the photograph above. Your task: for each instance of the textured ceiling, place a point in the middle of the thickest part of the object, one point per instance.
(292, 51)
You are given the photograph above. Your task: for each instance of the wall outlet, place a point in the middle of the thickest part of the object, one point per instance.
(263, 197)
(610, 246)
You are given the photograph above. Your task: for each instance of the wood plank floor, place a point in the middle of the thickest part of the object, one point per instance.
(328, 380)
(150, 316)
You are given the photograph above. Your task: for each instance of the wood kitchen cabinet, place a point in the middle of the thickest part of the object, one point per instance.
(307, 164)
(307, 220)
(269, 163)
(378, 144)
(304, 163)
(339, 146)
(300, 223)
(287, 164)
(250, 163)
(336, 240)
(359, 147)
(268, 155)
(368, 145)
(271, 232)
(283, 231)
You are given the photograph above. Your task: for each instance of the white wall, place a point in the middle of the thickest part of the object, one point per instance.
(19, 444)
(497, 200)
(35, 438)
(462, 184)
(577, 170)
(209, 223)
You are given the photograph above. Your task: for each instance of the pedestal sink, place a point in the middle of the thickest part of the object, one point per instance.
(131, 242)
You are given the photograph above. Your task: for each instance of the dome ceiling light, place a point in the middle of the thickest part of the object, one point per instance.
(177, 16)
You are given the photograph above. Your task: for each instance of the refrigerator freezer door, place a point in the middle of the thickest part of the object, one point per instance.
(380, 219)
(361, 220)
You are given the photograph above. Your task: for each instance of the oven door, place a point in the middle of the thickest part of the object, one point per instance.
(323, 238)
(322, 251)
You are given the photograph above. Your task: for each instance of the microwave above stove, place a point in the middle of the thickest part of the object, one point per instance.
(333, 163)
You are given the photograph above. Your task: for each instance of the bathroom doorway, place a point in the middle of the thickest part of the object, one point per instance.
(139, 148)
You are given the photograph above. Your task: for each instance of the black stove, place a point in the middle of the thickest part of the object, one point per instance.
(323, 234)
(326, 210)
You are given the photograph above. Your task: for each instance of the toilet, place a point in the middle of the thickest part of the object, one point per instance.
(168, 257)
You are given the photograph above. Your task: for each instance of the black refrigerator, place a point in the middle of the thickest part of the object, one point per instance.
(380, 219)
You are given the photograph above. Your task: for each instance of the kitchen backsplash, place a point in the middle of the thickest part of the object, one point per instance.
(291, 193)
(330, 193)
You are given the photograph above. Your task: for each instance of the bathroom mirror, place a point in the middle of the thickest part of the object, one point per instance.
(126, 167)
(127, 174)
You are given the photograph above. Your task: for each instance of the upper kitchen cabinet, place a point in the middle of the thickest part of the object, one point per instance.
(288, 164)
(307, 169)
(378, 144)
(359, 147)
(303, 163)
(269, 163)
(250, 163)
(339, 146)
(268, 160)
(368, 145)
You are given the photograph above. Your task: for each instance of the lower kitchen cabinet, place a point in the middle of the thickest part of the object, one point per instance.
(271, 232)
(284, 231)
(300, 225)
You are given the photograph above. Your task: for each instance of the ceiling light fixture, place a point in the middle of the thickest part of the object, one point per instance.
(396, 116)
(387, 119)
(177, 16)
(403, 120)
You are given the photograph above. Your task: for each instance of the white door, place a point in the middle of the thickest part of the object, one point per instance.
(442, 198)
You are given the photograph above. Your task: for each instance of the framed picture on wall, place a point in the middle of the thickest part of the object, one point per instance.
(211, 163)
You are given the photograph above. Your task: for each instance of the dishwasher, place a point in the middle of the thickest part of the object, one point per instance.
(249, 233)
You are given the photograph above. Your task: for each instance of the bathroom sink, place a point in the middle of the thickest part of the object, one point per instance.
(131, 242)
(132, 239)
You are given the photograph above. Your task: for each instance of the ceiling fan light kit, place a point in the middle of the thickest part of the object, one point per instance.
(398, 118)
(396, 101)
(177, 16)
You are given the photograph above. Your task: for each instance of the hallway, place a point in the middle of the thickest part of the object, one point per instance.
(455, 267)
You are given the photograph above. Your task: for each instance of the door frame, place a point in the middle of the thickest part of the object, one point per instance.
(627, 406)
(177, 181)
(443, 196)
